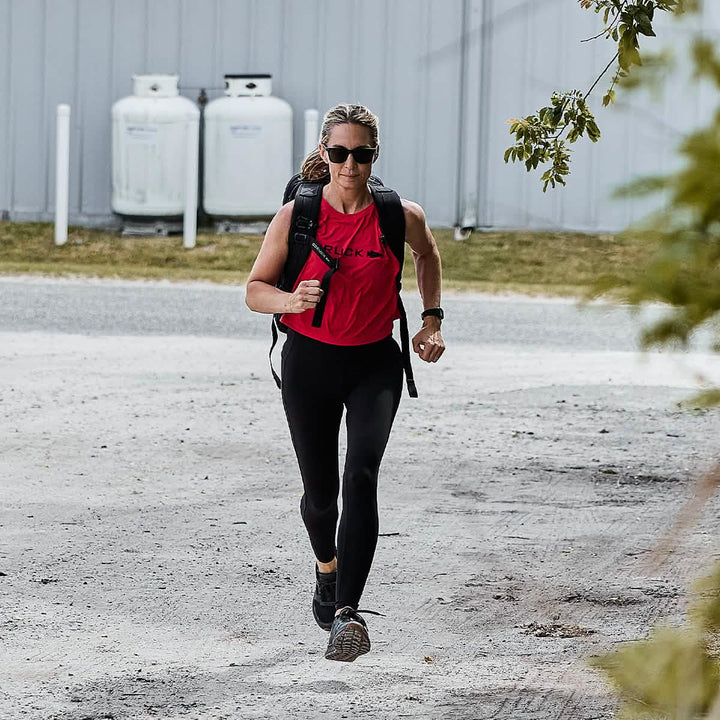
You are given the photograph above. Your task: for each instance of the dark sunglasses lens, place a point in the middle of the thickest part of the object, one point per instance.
(362, 155)
(338, 154)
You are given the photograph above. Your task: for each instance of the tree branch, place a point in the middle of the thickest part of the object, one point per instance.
(606, 31)
(601, 75)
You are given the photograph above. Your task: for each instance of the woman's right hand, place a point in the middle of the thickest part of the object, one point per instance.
(305, 296)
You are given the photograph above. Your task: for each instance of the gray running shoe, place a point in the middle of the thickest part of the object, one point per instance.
(348, 636)
(324, 598)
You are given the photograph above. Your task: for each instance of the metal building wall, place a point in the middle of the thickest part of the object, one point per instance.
(444, 76)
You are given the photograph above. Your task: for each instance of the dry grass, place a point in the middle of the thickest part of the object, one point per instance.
(535, 263)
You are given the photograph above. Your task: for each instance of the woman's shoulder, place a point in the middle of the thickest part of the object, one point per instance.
(284, 215)
(414, 214)
(286, 210)
(280, 224)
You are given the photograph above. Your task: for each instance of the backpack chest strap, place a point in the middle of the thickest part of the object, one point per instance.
(333, 265)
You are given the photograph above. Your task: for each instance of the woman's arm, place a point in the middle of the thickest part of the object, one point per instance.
(428, 343)
(261, 295)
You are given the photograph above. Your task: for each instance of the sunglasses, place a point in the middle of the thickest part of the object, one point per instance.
(362, 155)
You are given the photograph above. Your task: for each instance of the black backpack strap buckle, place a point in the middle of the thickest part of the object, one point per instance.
(305, 223)
(302, 239)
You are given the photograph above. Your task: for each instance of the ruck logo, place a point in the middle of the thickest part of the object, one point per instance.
(350, 252)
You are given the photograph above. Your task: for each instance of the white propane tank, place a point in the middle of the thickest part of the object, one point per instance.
(149, 148)
(248, 149)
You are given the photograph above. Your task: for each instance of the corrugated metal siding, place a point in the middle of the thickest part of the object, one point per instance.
(27, 121)
(5, 137)
(444, 76)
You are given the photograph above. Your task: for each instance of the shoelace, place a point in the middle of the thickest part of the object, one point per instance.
(350, 611)
(371, 612)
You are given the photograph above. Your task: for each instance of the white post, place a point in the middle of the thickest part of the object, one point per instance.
(62, 173)
(477, 21)
(311, 130)
(191, 182)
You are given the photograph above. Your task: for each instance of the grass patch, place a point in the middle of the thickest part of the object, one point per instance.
(527, 262)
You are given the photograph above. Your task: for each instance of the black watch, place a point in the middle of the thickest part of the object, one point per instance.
(433, 312)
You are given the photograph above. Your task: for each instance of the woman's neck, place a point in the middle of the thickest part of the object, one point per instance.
(345, 200)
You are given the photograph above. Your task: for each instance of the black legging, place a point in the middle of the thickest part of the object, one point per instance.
(317, 381)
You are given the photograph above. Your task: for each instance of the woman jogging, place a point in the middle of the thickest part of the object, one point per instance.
(344, 357)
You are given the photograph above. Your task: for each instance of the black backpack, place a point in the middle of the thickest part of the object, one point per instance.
(301, 242)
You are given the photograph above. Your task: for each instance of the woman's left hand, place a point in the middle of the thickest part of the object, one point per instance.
(429, 343)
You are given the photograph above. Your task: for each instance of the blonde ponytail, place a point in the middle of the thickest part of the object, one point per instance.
(314, 167)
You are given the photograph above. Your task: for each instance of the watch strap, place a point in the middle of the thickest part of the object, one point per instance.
(433, 312)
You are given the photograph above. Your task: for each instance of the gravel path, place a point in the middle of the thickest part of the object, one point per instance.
(153, 560)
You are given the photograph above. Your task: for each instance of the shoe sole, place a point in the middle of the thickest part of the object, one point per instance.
(349, 644)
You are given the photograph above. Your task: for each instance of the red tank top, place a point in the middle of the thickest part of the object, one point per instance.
(362, 300)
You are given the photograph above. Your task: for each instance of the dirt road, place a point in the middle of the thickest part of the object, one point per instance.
(154, 564)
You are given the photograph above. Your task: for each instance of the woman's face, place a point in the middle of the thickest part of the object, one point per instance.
(349, 175)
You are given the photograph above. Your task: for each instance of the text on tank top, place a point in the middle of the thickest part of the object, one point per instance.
(362, 301)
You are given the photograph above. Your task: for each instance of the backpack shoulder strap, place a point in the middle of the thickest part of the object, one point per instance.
(392, 226)
(301, 237)
(303, 228)
(392, 222)
(302, 240)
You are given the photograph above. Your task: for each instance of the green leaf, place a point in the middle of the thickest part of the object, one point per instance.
(705, 609)
(593, 131)
(669, 675)
(609, 98)
(708, 398)
(628, 52)
(644, 26)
